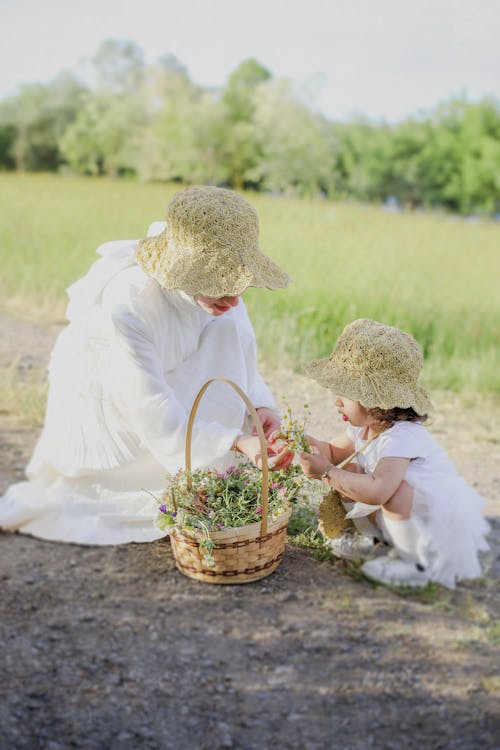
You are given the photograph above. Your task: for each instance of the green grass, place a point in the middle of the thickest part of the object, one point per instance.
(434, 276)
(25, 397)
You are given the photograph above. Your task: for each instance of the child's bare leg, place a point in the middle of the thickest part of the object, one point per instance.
(398, 507)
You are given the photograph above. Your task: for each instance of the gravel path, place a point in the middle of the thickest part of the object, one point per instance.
(111, 648)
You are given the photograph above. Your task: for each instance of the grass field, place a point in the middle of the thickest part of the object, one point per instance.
(434, 276)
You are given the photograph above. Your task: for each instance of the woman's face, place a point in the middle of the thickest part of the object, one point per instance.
(216, 305)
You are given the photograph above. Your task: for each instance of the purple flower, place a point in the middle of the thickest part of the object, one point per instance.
(259, 511)
(274, 485)
(220, 525)
(163, 509)
(174, 513)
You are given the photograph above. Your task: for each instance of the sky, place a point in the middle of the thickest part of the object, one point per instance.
(384, 59)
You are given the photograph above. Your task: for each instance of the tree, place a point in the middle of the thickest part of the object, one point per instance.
(118, 66)
(35, 119)
(239, 92)
(297, 147)
(104, 138)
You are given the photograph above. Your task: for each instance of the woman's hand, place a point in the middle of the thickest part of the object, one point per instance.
(269, 420)
(278, 458)
(313, 464)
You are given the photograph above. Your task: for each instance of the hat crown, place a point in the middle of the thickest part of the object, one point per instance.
(375, 364)
(211, 218)
(369, 348)
(210, 246)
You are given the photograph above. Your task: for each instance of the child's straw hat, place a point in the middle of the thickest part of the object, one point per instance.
(375, 364)
(210, 246)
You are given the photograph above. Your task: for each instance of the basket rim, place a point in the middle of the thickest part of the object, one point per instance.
(229, 532)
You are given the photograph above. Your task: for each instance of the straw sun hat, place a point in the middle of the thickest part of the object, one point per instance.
(210, 246)
(375, 364)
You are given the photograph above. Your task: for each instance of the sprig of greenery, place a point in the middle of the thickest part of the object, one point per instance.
(217, 501)
(292, 431)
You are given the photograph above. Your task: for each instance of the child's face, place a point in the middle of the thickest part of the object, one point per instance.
(353, 412)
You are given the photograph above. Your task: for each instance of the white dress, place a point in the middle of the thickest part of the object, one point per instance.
(122, 379)
(447, 511)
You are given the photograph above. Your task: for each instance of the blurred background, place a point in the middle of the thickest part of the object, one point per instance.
(367, 135)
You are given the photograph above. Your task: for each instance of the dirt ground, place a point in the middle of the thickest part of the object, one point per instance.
(110, 648)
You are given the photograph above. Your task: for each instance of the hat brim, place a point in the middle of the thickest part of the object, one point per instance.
(370, 392)
(175, 268)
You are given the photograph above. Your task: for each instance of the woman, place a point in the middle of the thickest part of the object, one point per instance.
(149, 324)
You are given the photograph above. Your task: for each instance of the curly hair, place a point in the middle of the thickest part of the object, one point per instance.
(387, 417)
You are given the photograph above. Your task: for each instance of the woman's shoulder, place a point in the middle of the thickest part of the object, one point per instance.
(126, 286)
(132, 294)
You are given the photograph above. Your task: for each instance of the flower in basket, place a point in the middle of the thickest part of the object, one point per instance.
(222, 500)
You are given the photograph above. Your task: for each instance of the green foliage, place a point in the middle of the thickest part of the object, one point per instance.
(34, 121)
(434, 276)
(239, 94)
(211, 500)
(256, 132)
(104, 138)
(449, 158)
(119, 66)
(296, 146)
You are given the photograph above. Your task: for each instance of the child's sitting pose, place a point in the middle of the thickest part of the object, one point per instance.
(403, 488)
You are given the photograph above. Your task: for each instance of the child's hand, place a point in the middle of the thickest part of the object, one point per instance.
(313, 464)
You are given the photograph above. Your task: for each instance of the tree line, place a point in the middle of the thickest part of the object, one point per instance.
(153, 122)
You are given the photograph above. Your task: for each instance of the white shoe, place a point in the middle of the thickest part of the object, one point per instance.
(351, 545)
(395, 572)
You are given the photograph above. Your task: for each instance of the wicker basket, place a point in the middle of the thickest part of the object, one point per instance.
(242, 554)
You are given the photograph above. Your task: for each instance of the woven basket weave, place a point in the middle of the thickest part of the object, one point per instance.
(242, 554)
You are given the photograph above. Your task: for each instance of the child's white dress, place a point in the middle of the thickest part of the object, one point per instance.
(446, 510)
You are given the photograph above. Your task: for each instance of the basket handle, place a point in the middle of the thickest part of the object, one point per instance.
(260, 433)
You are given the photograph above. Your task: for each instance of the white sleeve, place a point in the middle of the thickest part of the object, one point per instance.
(155, 414)
(399, 442)
(258, 392)
(260, 395)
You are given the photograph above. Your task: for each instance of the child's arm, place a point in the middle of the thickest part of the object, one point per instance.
(376, 488)
(333, 451)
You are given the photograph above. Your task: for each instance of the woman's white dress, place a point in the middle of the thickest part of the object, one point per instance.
(447, 511)
(122, 378)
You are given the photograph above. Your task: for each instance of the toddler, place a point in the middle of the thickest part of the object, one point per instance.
(402, 488)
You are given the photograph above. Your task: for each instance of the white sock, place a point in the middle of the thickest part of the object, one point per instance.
(403, 535)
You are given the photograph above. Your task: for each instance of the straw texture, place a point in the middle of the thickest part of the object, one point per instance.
(210, 246)
(241, 554)
(375, 364)
(331, 516)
